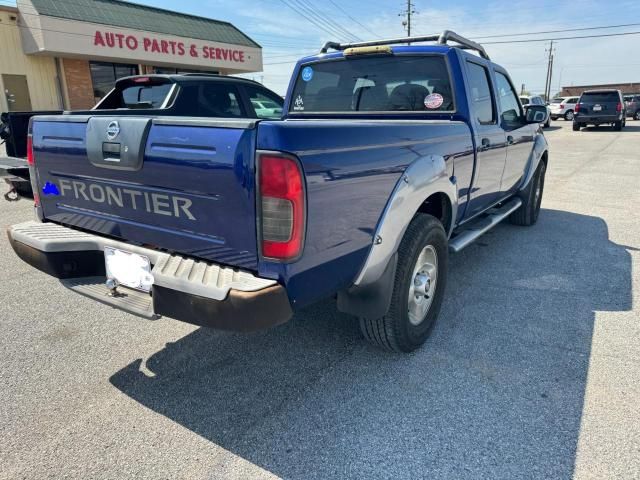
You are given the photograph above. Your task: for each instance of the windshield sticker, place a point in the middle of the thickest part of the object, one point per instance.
(307, 73)
(433, 101)
(298, 105)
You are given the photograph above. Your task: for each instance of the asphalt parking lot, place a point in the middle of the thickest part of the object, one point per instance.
(532, 372)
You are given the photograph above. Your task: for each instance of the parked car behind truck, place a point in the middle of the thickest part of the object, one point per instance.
(598, 107)
(563, 107)
(188, 95)
(389, 157)
(632, 104)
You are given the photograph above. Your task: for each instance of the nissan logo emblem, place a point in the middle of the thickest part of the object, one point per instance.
(113, 130)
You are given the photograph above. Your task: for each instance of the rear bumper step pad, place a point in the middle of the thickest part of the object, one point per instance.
(185, 289)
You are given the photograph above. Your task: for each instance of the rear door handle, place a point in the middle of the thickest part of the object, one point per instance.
(485, 144)
(509, 140)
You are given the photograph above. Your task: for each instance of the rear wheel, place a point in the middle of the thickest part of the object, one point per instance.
(576, 127)
(636, 115)
(531, 197)
(569, 116)
(617, 126)
(418, 290)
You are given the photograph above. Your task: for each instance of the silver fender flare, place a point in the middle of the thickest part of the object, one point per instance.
(424, 177)
(540, 147)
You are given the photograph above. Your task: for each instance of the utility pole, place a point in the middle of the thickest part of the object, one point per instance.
(547, 85)
(522, 89)
(407, 15)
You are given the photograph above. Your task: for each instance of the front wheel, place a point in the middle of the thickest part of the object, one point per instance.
(531, 197)
(418, 289)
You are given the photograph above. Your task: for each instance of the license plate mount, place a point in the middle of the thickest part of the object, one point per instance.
(128, 269)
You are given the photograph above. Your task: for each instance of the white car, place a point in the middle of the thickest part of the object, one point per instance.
(536, 100)
(267, 108)
(563, 107)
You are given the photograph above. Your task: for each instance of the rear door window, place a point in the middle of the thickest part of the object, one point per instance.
(390, 83)
(210, 99)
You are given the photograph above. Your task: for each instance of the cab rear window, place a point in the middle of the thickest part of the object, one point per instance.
(374, 84)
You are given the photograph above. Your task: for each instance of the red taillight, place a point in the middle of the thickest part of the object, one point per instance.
(576, 108)
(562, 105)
(30, 160)
(282, 203)
(141, 79)
(619, 107)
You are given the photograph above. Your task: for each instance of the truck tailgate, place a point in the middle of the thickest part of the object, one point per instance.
(182, 185)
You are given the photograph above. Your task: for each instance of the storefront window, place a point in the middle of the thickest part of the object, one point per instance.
(104, 76)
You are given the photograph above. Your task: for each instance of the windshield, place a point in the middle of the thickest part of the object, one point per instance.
(374, 84)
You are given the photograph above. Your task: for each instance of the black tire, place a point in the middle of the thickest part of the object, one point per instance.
(636, 116)
(617, 126)
(548, 123)
(394, 331)
(576, 127)
(568, 116)
(531, 197)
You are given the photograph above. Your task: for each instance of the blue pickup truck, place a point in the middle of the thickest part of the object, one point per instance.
(387, 158)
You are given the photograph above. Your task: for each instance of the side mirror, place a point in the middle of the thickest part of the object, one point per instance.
(536, 114)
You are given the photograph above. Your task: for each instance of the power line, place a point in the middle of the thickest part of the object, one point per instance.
(354, 20)
(328, 20)
(323, 26)
(531, 40)
(557, 31)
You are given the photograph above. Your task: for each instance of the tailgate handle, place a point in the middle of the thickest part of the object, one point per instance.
(111, 151)
(117, 142)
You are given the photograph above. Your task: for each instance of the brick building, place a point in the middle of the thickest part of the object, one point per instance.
(575, 90)
(67, 54)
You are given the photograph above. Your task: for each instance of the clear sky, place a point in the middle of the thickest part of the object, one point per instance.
(286, 35)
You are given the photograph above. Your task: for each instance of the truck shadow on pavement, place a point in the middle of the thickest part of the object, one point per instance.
(497, 391)
(604, 128)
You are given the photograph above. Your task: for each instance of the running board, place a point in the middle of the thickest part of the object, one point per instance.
(494, 216)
